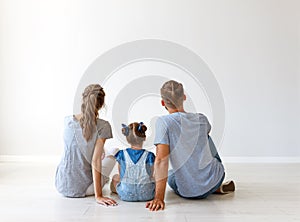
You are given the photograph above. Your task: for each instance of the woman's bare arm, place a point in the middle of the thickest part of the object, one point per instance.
(97, 166)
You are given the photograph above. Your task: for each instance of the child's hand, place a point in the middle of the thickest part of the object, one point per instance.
(106, 201)
(155, 205)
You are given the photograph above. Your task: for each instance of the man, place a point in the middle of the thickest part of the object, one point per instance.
(183, 137)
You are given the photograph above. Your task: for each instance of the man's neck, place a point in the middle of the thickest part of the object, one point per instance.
(181, 110)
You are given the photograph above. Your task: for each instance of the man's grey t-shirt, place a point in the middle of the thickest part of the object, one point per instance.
(196, 170)
(74, 172)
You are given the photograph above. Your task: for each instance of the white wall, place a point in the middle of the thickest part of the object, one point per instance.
(252, 47)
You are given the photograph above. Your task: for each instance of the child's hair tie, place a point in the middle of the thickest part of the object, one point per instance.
(140, 126)
(126, 129)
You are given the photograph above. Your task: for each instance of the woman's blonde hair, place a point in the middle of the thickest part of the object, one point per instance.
(92, 101)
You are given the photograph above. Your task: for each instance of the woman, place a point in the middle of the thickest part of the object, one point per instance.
(80, 172)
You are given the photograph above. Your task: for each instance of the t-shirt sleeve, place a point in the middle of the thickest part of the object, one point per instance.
(150, 159)
(119, 156)
(104, 131)
(208, 125)
(161, 132)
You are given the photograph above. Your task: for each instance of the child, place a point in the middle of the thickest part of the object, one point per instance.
(135, 179)
(184, 138)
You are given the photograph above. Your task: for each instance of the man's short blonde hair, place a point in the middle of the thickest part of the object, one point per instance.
(172, 94)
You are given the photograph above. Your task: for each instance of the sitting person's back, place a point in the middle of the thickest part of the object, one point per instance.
(184, 138)
(195, 169)
(135, 179)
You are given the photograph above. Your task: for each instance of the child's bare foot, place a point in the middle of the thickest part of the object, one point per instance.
(112, 187)
(113, 184)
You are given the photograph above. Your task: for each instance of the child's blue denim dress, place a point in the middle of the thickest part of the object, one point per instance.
(136, 184)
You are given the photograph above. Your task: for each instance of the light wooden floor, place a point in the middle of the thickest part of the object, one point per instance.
(265, 192)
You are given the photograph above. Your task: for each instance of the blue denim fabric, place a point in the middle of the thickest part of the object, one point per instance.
(136, 192)
(172, 182)
(136, 184)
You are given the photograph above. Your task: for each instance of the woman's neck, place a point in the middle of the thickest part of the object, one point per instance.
(78, 116)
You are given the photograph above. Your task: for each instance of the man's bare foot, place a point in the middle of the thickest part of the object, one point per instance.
(227, 187)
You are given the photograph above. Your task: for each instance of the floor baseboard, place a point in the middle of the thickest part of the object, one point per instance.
(30, 158)
(55, 159)
(264, 159)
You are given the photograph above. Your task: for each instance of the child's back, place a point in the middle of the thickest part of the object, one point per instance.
(135, 180)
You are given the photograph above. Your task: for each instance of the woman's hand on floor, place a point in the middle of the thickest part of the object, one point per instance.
(155, 205)
(106, 201)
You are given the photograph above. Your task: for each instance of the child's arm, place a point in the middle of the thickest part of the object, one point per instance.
(97, 166)
(116, 178)
(161, 175)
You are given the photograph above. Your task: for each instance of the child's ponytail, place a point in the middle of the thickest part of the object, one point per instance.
(135, 133)
(140, 130)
